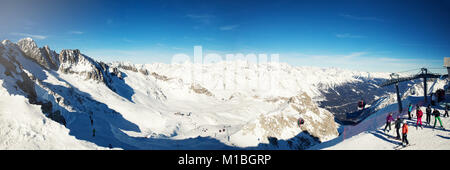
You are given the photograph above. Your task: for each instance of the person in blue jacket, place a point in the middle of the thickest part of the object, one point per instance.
(410, 108)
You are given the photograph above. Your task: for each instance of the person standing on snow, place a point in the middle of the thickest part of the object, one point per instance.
(446, 110)
(428, 112)
(398, 124)
(389, 119)
(433, 99)
(437, 115)
(419, 114)
(404, 133)
(92, 120)
(361, 104)
(410, 107)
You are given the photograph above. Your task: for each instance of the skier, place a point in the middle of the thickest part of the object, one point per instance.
(389, 119)
(419, 114)
(405, 132)
(361, 104)
(410, 107)
(300, 122)
(446, 110)
(433, 99)
(398, 124)
(428, 112)
(437, 115)
(92, 121)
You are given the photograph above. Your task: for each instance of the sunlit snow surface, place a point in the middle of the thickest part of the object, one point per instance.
(226, 105)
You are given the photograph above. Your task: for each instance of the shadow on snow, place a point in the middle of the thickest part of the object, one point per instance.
(445, 137)
(107, 122)
(385, 137)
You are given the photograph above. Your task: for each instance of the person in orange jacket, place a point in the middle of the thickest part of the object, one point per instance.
(405, 132)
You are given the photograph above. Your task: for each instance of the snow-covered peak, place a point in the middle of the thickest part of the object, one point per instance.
(28, 46)
(73, 62)
(29, 39)
(43, 56)
(8, 43)
(5, 42)
(71, 56)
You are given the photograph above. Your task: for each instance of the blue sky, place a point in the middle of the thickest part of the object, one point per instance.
(367, 35)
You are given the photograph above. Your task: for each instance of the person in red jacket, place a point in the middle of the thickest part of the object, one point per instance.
(405, 132)
(419, 114)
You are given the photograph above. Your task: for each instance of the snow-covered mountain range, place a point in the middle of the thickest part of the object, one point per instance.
(71, 101)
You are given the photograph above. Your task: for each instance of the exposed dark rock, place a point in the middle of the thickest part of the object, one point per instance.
(56, 116)
(159, 77)
(343, 99)
(42, 56)
(126, 67)
(144, 71)
(200, 90)
(51, 56)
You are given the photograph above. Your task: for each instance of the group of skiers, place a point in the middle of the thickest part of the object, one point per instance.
(400, 123)
(93, 128)
(429, 113)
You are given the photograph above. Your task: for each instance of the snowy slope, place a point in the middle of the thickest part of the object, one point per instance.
(225, 105)
(423, 139)
(23, 126)
(372, 136)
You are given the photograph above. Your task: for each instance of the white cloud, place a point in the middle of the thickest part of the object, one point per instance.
(76, 32)
(41, 37)
(228, 27)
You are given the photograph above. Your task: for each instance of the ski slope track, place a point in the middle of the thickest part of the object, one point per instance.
(67, 100)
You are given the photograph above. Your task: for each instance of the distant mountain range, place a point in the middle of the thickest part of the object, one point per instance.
(225, 105)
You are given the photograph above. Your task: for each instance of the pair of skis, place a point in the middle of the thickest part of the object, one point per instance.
(399, 147)
(439, 128)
